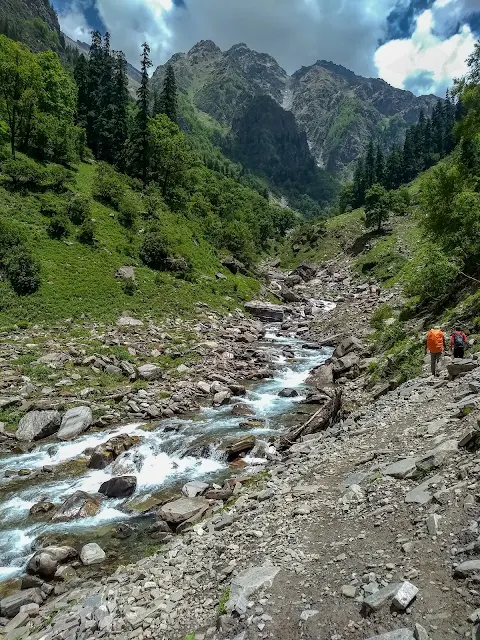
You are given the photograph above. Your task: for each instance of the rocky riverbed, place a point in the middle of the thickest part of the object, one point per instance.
(368, 528)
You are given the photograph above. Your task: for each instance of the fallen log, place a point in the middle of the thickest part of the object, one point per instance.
(322, 419)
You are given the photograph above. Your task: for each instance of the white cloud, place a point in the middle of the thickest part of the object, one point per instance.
(426, 55)
(74, 24)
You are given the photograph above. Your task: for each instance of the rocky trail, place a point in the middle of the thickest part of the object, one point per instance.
(366, 528)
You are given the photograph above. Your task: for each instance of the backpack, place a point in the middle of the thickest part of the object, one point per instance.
(435, 341)
(458, 341)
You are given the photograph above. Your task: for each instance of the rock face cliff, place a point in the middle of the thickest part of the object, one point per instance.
(21, 15)
(338, 110)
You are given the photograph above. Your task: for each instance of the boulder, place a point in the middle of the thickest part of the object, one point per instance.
(467, 568)
(182, 509)
(238, 447)
(288, 393)
(234, 265)
(126, 273)
(128, 321)
(91, 553)
(222, 397)
(265, 310)
(36, 425)
(120, 487)
(10, 606)
(348, 345)
(421, 494)
(246, 583)
(41, 508)
(74, 422)
(106, 453)
(45, 562)
(149, 372)
(242, 410)
(306, 271)
(345, 364)
(380, 598)
(79, 505)
(458, 366)
(402, 469)
(321, 376)
(194, 488)
(288, 295)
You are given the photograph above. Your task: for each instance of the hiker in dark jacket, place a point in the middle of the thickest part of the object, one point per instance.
(457, 343)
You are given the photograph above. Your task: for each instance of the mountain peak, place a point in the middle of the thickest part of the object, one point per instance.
(204, 48)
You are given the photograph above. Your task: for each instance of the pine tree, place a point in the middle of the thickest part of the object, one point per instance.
(449, 118)
(358, 197)
(409, 159)
(438, 129)
(370, 177)
(157, 105)
(106, 116)
(95, 71)
(81, 78)
(380, 166)
(394, 169)
(120, 113)
(143, 116)
(168, 97)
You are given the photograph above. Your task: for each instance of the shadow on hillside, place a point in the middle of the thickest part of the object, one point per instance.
(362, 244)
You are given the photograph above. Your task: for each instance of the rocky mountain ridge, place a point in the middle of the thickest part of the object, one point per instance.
(339, 111)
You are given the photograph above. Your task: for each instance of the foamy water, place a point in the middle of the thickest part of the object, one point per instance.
(158, 461)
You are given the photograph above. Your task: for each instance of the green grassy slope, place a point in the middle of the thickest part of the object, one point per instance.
(80, 280)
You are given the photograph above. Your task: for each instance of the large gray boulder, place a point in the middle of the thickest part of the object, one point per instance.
(398, 634)
(459, 365)
(91, 553)
(10, 606)
(36, 425)
(74, 422)
(347, 346)
(149, 372)
(246, 583)
(46, 561)
(79, 505)
(265, 311)
(182, 509)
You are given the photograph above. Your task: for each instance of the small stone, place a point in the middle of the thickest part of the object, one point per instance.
(349, 590)
(308, 613)
(377, 600)
(420, 633)
(404, 596)
(432, 523)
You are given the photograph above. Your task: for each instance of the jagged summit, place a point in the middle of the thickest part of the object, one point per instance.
(338, 110)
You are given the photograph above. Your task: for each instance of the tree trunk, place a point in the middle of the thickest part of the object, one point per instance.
(319, 421)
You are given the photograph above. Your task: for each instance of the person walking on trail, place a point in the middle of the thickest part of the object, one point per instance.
(436, 344)
(457, 343)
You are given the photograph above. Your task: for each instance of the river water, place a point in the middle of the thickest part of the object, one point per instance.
(159, 461)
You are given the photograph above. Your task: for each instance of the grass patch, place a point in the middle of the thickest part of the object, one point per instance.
(222, 605)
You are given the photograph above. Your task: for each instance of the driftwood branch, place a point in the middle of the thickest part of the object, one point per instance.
(319, 421)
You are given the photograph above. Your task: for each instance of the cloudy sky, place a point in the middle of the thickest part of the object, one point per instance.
(418, 45)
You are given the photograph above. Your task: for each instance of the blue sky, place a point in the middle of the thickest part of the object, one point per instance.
(415, 44)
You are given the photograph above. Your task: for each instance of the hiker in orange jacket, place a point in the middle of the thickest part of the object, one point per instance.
(435, 343)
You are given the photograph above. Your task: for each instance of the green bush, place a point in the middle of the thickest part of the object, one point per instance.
(22, 271)
(58, 178)
(181, 267)
(108, 186)
(382, 313)
(155, 250)
(78, 209)
(86, 233)
(129, 287)
(128, 211)
(51, 205)
(434, 278)
(58, 227)
(24, 173)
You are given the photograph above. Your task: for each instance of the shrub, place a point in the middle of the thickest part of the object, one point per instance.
(51, 205)
(379, 316)
(108, 186)
(78, 209)
(58, 227)
(58, 178)
(434, 278)
(155, 250)
(86, 233)
(24, 173)
(22, 270)
(129, 287)
(181, 267)
(128, 211)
